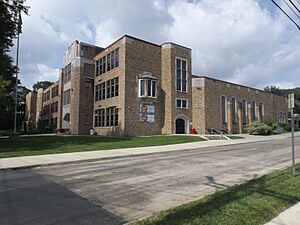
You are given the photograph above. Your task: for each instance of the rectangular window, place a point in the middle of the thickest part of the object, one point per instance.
(112, 59)
(181, 103)
(54, 92)
(245, 112)
(234, 110)
(253, 110)
(100, 92)
(112, 87)
(117, 57)
(97, 67)
(108, 62)
(112, 117)
(67, 73)
(67, 97)
(147, 88)
(224, 109)
(99, 118)
(181, 75)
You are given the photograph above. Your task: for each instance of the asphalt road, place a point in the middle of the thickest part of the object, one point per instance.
(125, 189)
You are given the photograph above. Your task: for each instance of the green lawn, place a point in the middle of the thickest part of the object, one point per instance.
(61, 144)
(233, 137)
(255, 202)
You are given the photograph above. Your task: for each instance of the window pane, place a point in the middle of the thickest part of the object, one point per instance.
(183, 65)
(154, 88)
(178, 103)
(142, 87)
(178, 85)
(178, 74)
(178, 63)
(183, 75)
(184, 85)
(184, 104)
(148, 88)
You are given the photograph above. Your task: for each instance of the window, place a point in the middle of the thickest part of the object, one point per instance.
(181, 103)
(99, 118)
(54, 107)
(67, 73)
(147, 88)
(253, 110)
(234, 110)
(112, 87)
(181, 75)
(261, 110)
(100, 92)
(224, 109)
(112, 117)
(54, 91)
(281, 118)
(66, 97)
(107, 62)
(245, 111)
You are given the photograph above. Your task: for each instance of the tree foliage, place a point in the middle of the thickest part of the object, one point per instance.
(41, 84)
(284, 92)
(10, 27)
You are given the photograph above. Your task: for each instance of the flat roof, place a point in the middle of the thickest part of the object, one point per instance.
(142, 40)
(256, 89)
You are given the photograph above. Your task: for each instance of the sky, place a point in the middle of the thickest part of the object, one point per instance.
(248, 42)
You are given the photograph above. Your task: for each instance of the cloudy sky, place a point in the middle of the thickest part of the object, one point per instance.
(244, 41)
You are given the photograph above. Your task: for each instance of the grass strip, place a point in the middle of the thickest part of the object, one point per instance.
(255, 202)
(40, 145)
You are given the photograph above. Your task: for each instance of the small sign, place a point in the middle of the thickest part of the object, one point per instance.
(291, 101)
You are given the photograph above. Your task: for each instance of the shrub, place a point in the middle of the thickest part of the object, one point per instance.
(288, 128)
(270, 121)
(257, 128)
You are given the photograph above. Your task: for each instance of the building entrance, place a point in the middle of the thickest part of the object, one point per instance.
(180, 126)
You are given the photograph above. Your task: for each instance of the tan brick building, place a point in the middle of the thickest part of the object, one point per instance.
(134, 87)
(223, 105)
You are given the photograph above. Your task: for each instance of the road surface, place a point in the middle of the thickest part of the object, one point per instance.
(115, 191)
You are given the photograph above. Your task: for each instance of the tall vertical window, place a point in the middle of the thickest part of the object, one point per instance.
(234, 110)
(67, 97)
(99, 118)
(108, 61)
(112, 117)
(224, 109)
(253, 110)
(67, 73)
(100, 92)
(147, 88)
(245, 111)
(181, 75)
(112, 87)
(261, 110)
(54, 91)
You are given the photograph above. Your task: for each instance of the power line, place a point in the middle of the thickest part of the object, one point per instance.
(286, 14)
(292, 9)
(294, 6)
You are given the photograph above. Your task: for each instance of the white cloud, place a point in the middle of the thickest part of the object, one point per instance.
(244, 41)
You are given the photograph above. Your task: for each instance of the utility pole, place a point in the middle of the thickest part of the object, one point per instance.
(291, 106)
(17, 72)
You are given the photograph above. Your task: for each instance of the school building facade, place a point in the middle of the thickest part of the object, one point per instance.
(134, 87)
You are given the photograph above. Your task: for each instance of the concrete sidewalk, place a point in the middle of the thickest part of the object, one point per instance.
(38, 160)
(291, 216)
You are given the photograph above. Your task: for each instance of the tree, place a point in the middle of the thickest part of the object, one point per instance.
(41, 84)
(10, 27)
(273, 89)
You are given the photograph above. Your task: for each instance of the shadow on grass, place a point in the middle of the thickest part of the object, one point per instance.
(255, 202)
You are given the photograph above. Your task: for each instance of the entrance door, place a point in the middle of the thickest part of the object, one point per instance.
(180, 126)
